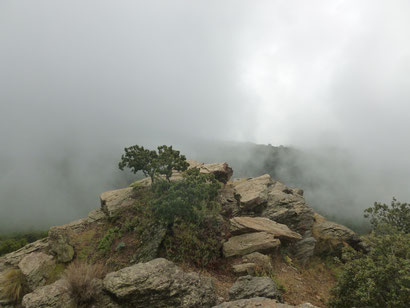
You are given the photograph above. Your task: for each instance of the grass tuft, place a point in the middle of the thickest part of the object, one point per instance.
(12, 285)
(79, 276)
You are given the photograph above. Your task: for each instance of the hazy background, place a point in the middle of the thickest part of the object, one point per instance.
(80, 80)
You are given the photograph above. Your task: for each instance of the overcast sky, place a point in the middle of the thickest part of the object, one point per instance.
(84, 75)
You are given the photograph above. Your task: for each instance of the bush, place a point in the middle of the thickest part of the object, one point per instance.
(188, 199)
(396, 216)
(12, 286)
(79, 277)
(380, 278)
(199, 245)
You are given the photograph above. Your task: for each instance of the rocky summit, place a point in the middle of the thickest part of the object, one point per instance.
(268, 248)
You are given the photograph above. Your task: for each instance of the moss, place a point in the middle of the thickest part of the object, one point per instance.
(56, 273)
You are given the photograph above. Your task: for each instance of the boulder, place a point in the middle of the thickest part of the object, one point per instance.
(244, 269)
(222, 171)
(36, 268)
(60, 243)
(304, 249)
(332, 237)
(240, 225)
(259, 302)
(248, 243)
(287, 207)
(51, 296)
(229, 200)
(249, 287)
(253, 192)
(159, 283)
(100, 298)
(114, 200)
(262, 261)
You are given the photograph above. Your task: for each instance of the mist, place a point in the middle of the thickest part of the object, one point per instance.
(81, 80)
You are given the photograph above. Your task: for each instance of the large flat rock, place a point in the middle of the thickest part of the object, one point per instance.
(159, 283)
(241, 225)
(254, 191)
(250, 242)
(260, 302)
(36, 268)
(113, 200)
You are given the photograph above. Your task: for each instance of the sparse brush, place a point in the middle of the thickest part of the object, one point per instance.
(79, 276)
(12, 285)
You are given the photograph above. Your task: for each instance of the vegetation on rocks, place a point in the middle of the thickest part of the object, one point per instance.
(79, 277)
(12, 286)
(380, 278)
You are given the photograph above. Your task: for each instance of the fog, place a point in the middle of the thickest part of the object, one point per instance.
(81, 80)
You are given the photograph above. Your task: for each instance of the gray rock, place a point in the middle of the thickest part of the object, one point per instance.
(151, 240)
(261, 260)
(36, 268)
(253, 191)
(304, 249)
(332, 237)
(60, 243)
(248, 243)
(249, 287)
(241, 225)
(259, 302)
(12, 259)
(244, 269)
(114, 200)
(54, 295)
(159, 283)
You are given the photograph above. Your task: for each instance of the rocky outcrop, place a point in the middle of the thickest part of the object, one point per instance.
(12, 259)
(260, 302)
(249, 287)
(253, 192)
(113, 200)
(287, 207)
(161, 284)
(36, 268)
(51, 296)
(244, 269)
(241, 225)
(332, 237)
(60, 243)
(305, 248)
(250, 242)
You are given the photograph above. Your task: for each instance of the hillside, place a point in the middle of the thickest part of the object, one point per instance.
(259, 244)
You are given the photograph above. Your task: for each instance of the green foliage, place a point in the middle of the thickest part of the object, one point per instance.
(109, 237)
(380, 278)
(12, 286)
(151, 163)
(195, 244)
(397, 215)
(13, 242)
(188, 199)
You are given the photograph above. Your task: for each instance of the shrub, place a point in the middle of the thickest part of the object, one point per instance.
(396, 216)
(189, 199)
(12, 286)
(198, 245)
(109, 237)
(380, 278)
(79, 277)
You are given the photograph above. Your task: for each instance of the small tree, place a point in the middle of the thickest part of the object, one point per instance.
(152, 163)
(380, 278)
(169, 160)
